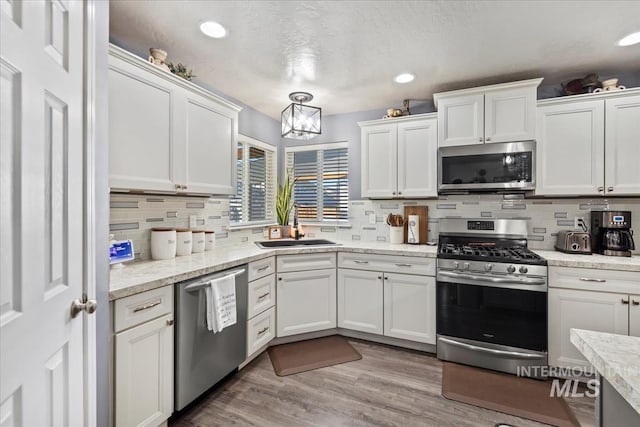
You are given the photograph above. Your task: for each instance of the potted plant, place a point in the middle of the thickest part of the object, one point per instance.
(284, 203)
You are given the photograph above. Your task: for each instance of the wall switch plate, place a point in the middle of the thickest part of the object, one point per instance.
(193, 221)
(372, 218)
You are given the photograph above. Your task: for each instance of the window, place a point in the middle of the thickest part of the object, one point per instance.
(254, 202)
(321, 190)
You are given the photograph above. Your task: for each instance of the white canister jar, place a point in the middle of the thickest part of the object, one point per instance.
(163, 243)
(396, 235)
(209, 240)
(184, 243)
(198, 241)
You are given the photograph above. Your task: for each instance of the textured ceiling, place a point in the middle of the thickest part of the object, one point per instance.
(347, 52)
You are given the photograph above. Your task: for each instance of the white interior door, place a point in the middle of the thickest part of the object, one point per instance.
(41, 238)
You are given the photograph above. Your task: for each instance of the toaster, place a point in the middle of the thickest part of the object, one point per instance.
(573, 242)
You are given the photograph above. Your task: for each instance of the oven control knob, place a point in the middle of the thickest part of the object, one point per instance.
(511, 269)
(467, 265)
(523, 269)
(456, 264)
(488, 267)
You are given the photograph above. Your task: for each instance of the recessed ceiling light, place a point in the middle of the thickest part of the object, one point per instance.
(404, 78)
(213, 29)
(629, 40)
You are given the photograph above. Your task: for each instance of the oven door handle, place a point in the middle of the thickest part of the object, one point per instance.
(512, 354)
(518, 281)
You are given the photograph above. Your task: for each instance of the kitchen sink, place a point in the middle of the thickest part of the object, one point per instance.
(293, 243)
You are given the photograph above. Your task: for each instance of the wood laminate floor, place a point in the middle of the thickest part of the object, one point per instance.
(387, 387)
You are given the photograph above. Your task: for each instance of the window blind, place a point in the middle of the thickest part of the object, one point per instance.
(255, 193)
(321, 189)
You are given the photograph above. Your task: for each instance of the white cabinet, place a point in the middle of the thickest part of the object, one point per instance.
(589, 146)
(399, 157)
(592, 299)
(374, 297)
(143, 365)
(186, 136)
(497, 113)
(261, 301)
(306, 301)
(360, 300)
(410, 307)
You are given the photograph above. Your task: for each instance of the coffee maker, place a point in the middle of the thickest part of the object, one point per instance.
(611, 233)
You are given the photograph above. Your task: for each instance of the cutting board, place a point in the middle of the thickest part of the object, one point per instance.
(422, 212)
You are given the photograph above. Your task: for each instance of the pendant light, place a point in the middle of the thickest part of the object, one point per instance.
(301, 121)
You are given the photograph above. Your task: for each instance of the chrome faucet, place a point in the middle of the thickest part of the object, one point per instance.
(296, 227)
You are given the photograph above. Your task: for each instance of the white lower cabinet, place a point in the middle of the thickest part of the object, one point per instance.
(360, 300)
(143, 358)
(261, 301)
(410, 307)
(305, 301)
(261, 329)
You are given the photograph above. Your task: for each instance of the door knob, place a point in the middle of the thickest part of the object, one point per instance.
(84, 304)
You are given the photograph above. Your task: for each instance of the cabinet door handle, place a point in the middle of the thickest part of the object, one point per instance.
(589, 279)
(634, 302)
(480, 139)
(357, 261)
(262, 331)
(399, 193)
(178, 186)
(600, 189)
(169, 322)
(263, 296)
(386, 277)
(609, 188)
(404, 265)
(280, 278)
(625, 301)
(394, 193)
(379, 277)
(146, 306)
(263, 268)
(488, 139)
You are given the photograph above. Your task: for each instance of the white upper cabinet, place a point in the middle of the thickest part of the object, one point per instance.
(497, 113)
(588, 145)
(167, 134)
(399, 157)
(622, 142)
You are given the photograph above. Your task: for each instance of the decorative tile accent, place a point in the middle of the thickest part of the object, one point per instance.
(470, 202)
(358, 202)
(214, 202)
(310, 235)
(446, 206)
(410, 203)
(172, 214)
(367, 213)
(433, 220)
(513, 196)
(195, 205)
(389, 206)
(559, 214)
(542, 202)
(536, 238)
(355, 237)
(593, 207)
(124, 226)
(155, 200)
(369, 228)
(328, 229)
(541, 230)
(244, 239)
(224, 213)
(554, 234)
(222, 235)
(257, 231)
(486, 214)
(514, 206)
(565, 222)
(155, 219)
(128, 204)
(215, 217)
(453, 216)
(381, 238)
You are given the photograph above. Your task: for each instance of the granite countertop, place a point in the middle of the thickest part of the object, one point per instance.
(616, 358)
(601, 262)
(143, 276)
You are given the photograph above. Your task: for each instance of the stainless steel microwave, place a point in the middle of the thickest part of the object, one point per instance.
(487, 167)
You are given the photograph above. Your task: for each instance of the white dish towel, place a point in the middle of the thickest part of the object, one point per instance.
(221, 303)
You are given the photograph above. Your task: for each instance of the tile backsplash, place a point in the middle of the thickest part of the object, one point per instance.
(133, 216)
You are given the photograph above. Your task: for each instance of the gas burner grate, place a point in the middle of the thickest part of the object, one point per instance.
(489, 251)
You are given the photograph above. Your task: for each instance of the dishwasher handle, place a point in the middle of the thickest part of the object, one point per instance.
(195, 287)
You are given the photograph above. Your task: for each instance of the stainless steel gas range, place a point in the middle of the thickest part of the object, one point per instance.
(491, 296)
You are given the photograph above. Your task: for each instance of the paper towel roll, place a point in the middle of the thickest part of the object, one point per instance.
(413, 232)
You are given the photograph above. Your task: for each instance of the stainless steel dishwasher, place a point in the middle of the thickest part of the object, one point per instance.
(202, 357)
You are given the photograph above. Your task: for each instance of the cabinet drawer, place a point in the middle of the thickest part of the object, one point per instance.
(262, 295)
(306, 262)
(260, 330)
(594, 280)
(261, 268)
(136, 309)
(388, 263)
